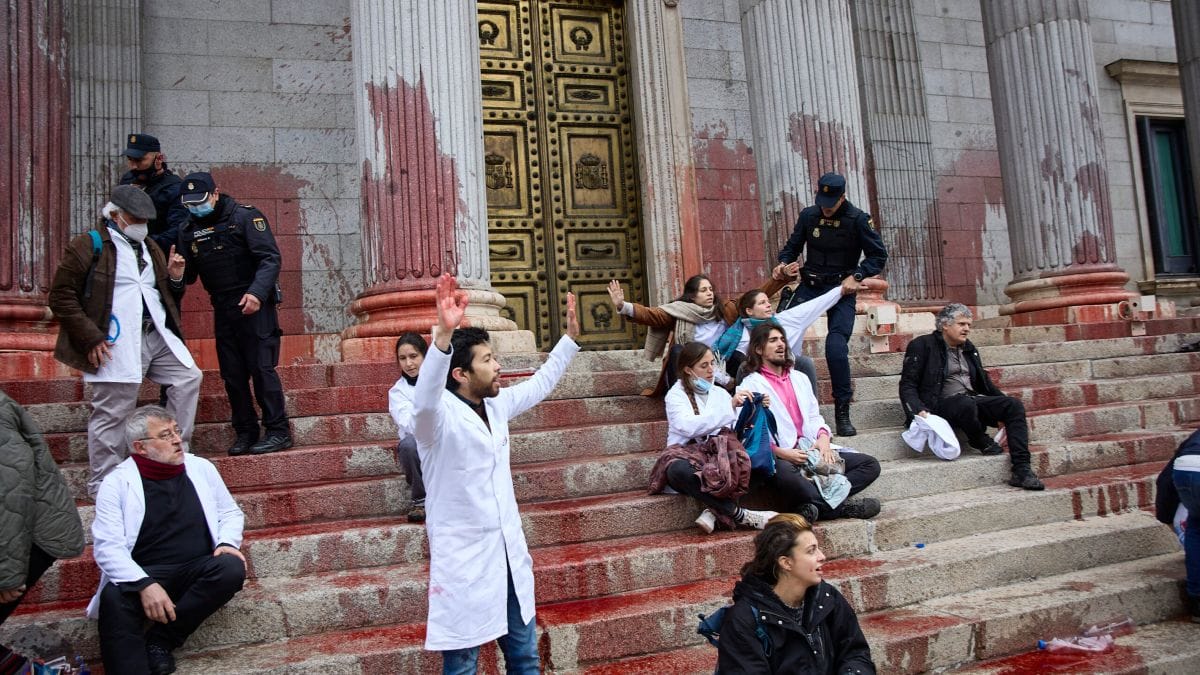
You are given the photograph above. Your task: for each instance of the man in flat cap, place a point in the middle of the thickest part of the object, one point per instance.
(841, 247)
(118, 317)
(148, 170)
(229, 246)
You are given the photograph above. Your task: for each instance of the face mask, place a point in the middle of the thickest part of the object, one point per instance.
(701, 385)
(201, 210)
(143, 175)
(137, 232)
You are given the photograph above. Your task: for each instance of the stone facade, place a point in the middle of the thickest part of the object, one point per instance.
(262, 92)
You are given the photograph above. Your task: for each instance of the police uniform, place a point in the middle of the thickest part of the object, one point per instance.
(233, 253)
(832, 250)
(163, 188)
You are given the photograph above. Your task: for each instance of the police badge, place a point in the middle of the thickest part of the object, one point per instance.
(260, 224)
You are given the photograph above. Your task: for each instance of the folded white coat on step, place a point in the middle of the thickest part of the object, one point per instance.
(935, 432)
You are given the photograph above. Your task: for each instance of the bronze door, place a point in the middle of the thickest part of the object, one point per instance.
(560, 165)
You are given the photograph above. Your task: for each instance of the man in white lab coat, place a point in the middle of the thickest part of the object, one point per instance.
(480, 571)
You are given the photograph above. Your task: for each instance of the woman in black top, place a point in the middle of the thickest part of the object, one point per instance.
(806, 625)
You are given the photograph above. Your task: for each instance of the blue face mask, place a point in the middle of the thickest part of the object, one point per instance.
(201, 210)
(701, 385)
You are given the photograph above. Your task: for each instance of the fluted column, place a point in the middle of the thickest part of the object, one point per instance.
(1048, 128)
(34, 226)
(1186, 16)
(659, 78)
(420, 141)
(106, 99)
(804, 106)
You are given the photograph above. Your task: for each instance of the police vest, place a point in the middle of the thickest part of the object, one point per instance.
(831, 244)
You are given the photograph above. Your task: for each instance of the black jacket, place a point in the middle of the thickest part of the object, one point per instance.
(924, 373)
(1166, 497)
(233, 252)
(828, 641)
(171, 214)
(833, 246)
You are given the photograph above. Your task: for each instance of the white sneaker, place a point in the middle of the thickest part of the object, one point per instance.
(756, 519)
(707, 521)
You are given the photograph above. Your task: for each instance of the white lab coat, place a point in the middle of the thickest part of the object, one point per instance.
(796, 320)
(130, 289)
(473, 523)
(400, 398)
(683, 424)
(789, 436)
(121, 506)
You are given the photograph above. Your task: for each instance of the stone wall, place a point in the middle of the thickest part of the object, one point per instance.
(259, 92)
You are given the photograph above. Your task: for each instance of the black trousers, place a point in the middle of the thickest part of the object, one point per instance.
(39, 562)
(795, 490)
(974, 414)
(410, 464)
(248, 351)
(683, 479)
(198, 589)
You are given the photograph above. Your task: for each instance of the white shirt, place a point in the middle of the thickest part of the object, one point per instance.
(400, 406)
(473, 524)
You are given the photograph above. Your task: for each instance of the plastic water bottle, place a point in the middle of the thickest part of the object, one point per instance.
(1082, 643)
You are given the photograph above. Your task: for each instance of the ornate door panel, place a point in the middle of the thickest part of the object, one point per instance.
(559, 156)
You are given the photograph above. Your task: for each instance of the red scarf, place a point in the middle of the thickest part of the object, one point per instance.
(152, 470)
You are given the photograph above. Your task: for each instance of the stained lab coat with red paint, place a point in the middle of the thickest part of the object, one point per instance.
(473, 525)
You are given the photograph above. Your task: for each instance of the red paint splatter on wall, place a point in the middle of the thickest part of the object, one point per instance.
(409, 201)
(731, 238)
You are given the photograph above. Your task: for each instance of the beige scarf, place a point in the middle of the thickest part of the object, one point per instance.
(687, 315)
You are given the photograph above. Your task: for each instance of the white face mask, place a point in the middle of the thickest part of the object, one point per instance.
(137, 233)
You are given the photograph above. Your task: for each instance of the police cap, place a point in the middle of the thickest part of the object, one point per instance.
(830, 189)
(139, 144)
(197, 187)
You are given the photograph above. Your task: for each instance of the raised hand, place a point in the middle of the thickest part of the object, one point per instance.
(175, 264)
(616, 294)
(572, 316)
(451, 307)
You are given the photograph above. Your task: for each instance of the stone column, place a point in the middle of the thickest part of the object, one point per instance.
(1186, 16)
(804, 106)
(420, 140)
(106, 99)
(1048, 128)
(34, 226)
(659, 78)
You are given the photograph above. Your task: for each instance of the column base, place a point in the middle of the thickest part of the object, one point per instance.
(1084, 297)
(386, 316)
(27, 328)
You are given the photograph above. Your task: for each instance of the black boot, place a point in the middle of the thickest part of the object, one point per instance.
(841, 418)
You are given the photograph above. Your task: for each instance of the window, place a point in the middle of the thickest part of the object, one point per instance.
(1170, 199)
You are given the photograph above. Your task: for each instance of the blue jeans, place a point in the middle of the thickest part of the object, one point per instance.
(519, 646)
(1187, 483)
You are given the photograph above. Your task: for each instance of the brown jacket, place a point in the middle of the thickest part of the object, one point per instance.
(83, 322)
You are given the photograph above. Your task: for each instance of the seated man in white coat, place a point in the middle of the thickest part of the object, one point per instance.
(480, 571)
(166, 538)
(802, 429)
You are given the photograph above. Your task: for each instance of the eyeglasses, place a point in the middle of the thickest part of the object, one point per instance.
(164, 435)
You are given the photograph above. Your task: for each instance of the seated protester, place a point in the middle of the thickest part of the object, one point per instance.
(783, 601)
(696, 410)
(410, 353)
(40, 522)
(166, 539)
(804, 438)
(754, 309)
(698, 314)
(943, 375)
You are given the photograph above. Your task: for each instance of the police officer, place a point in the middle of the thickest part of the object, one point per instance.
(148, 171)
(837, 235)
(229, 246)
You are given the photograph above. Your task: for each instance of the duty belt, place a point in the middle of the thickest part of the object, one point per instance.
(823, 278)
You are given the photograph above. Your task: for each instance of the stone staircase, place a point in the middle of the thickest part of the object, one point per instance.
(338, 578)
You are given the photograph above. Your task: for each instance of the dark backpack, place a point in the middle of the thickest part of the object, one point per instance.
(710, 628)
(757, 430)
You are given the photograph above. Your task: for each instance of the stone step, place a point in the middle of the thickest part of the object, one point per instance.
(638, 625)
(1165, 648)
(985, 623)
(300, 550)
